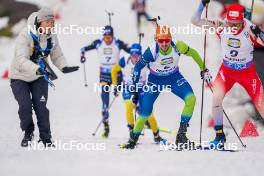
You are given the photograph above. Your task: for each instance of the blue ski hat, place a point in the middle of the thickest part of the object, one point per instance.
(136, 49)
(108, 30)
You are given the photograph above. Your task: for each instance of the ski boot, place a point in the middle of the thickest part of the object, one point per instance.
(130, 128)
(182, 142)
(106, 130)
(47, 143)
(28, 137)
(132, 142)
(220, 138)
(158, 139)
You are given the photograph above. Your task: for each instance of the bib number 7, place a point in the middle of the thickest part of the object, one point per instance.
(108, 59)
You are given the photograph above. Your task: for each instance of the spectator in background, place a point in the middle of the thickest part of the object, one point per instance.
(28, 85)
(139, 6)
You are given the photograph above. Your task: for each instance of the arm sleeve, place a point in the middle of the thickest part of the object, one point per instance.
(122, 62)
(198, 21)
(92, 46)
(22, 54)
(260, 39)
(188, 51)
(261, 36)
(257, 40)
(122, 45)
(57, 57)
(145, 60)
(116, 68)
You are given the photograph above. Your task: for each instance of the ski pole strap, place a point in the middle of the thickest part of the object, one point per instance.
(46, 75)
(38, 51)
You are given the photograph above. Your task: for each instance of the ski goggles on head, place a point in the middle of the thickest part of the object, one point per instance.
(164, 41)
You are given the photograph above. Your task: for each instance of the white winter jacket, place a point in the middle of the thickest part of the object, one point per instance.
(22, 67)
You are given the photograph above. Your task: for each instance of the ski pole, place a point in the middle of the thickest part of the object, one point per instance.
(228, 119)
(252, 7)
(109, 16)
(204, 60)
(111, 103)
(101, 121)
(99, 124)
(140, 36)
(251, 15)
(249, 11)
(84, 75)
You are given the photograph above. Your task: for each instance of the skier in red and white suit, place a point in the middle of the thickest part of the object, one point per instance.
(237, 48)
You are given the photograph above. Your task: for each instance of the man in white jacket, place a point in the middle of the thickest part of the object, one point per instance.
(28, 85)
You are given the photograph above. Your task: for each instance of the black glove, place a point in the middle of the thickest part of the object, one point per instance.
(70, 69)
(135, 98)
(205, 75)
(116, 91)
(205, 2)
(255, 30)
(83, 58)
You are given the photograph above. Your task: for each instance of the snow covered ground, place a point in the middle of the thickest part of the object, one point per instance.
(75, 110)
